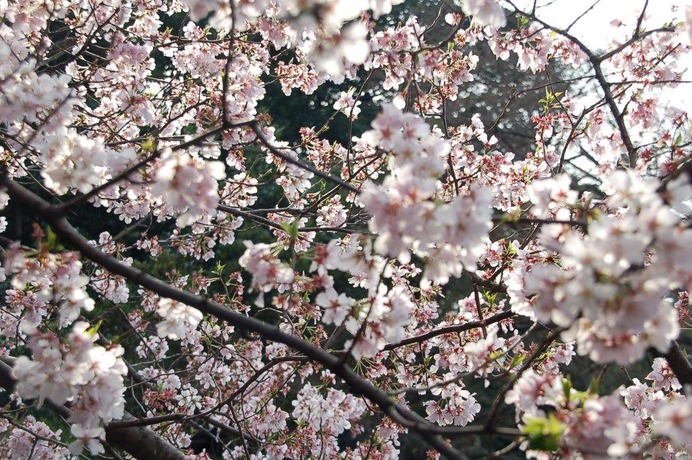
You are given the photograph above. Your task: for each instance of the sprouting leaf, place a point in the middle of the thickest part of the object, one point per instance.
(290, 228)
(544, 433)
(517, 360)
(149, 145)
(50, 242)
(567, 388)
(93, 330)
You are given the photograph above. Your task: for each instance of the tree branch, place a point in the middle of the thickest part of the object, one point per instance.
(289, 159)
(356, 384)
(450, 330)
(140, 442)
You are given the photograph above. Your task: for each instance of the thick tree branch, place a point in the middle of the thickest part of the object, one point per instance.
(356, 384)
(140, 442)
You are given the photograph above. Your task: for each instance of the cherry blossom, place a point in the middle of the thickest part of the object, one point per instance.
(87, 375)
(267, 270)
(88, 438)
(336, 306)
(181, 174)
(326, 228)
(178, 319)
(485, 12)
(662, 376)
(673, 420)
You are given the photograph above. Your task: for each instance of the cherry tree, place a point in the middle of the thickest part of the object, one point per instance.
(335, 299)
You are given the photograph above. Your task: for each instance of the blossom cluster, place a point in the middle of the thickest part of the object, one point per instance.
(267, 270)
(405, 218)
(42, 288)
(640, 419)
(330, 413)
(613, 284)
(459, 247)
(88, 376)
(189, 186)
(21, 441)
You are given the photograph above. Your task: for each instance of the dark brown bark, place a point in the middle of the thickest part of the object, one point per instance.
(356, 384)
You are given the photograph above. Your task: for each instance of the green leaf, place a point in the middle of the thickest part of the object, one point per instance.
(149, 145)
(497, 354)
(50, 241)
(544, 433)
(522, 21)
(594, 385)
(290, 228)
(490, 297)
(511, 217)
(517, 360)
(51, 238)
(567, 388)
(93, 330)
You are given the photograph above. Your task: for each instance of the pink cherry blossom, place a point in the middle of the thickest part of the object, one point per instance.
(485, 12)
(321, 229)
